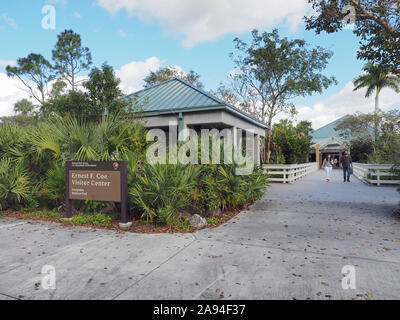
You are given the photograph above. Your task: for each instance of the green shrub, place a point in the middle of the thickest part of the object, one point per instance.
(232, 187)
(52, 214)
(206, 196)
(162, 190)
(255, 185)
(11, 137)
(94, 206)
(54, 185)
(98, 219)
(14, 184)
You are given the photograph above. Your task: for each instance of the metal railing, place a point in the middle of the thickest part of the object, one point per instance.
(289, 173)
(375, 174)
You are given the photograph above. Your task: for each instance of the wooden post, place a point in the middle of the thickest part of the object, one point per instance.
(124, 192)
(378, 174)
(68, 201)
(317, 156)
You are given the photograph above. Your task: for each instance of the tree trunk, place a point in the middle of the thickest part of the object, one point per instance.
(72, 74)
(73, 82)
(269, 140)
(376, 133)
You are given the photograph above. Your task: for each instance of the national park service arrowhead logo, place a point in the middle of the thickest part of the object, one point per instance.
(115, 166)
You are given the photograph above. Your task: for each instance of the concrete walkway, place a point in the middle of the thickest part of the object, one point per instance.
(292, 244)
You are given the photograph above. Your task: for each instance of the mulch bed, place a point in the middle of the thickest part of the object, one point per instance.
(138, 226)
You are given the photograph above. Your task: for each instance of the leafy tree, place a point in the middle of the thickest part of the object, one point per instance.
(103, 91)
(377, 24)
(361, 150)
(293, 142)
(359, 130)
(70, 57)
(57, 89)
(388, 150)
(35, 73)
(226, 94)
(375, 79)
(170, 72)
(304, 128)
(271, 71)
(102, 97)
(73, 103)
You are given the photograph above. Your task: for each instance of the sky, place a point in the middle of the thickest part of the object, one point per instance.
(140, 36)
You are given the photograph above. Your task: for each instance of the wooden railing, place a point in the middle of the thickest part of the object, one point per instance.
(289, 173)
(375, 174)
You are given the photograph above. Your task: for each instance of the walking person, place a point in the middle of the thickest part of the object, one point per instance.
(346, 163)
(327, 165)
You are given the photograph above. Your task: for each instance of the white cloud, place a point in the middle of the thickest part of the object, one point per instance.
(77, 15)
(122, 33)
(10, 93)
(5, 63)
(8, 21)
(208, 20)
(132, 74)
(61, 2)
(346, 102)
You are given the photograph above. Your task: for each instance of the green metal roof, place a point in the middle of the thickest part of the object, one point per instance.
(327, 131)
(177, 95)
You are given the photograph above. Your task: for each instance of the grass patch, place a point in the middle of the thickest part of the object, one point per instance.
(213, 221)
(45, 214)
(53, 214)
(33, 214)
(183, 225)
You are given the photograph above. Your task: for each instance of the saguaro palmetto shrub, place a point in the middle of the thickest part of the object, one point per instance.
(162, 190)
(54, 184)
(255, 185)
(33, 161)
(41, 150)
(220, 188)
(68, 138)
(10, 138)
(14, 184)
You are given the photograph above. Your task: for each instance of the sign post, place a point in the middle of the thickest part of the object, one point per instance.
(97, 181)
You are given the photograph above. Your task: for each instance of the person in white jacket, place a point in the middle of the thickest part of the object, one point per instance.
(327, 165)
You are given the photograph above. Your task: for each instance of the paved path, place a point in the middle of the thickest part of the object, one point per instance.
(291, 244)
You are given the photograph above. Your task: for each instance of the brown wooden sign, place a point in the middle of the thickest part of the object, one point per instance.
(97, 181)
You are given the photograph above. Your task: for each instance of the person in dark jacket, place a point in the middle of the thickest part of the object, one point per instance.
(346, 163)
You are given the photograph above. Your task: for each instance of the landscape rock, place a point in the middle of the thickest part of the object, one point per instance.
(197, 221)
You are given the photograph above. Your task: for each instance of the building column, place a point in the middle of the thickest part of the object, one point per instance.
(234, 136)
(182, 132)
